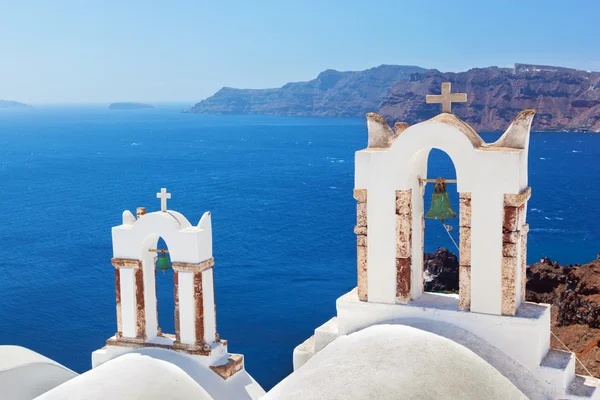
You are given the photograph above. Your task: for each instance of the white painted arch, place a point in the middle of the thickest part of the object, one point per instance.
(187, 243)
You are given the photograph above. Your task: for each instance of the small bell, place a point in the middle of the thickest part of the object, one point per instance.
(440, 203)
(163, 263)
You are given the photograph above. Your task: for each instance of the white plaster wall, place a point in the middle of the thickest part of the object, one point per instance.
(150, 305)
(210, 328)
(525, 337)
(186, 243)
(418, 205)
(187, 307)
(128, 312)
(381, 251)
(487, 211)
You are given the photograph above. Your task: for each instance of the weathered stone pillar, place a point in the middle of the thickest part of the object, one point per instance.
(199, 303)
(140, 304)
(524, 232)
(403, 245)
(361, 242)
(464, 271)
(176, 301)
(131, 319)
(513, 251)
(195, 323)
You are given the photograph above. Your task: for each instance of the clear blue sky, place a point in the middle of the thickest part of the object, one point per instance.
(68, 51)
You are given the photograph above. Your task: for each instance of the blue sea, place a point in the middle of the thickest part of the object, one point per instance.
(280, 193)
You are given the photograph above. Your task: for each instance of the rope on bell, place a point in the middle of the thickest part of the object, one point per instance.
(450, 236)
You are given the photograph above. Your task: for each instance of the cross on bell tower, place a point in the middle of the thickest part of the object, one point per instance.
(163, 196)
(446, 98)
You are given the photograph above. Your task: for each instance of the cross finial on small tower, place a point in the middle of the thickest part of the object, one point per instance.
(163, 196)
(446, 98)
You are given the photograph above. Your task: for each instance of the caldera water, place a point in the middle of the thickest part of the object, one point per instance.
(280, 193)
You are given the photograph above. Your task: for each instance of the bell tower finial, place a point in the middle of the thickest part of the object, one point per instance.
(163, 195)
(446, 98)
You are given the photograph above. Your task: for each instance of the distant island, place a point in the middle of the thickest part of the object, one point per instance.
(129, 106)
(565, 99)
(13, 104)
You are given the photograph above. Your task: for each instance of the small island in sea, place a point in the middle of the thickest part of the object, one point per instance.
(129, 106)
(13, 104)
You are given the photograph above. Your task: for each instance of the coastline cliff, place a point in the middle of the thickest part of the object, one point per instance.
(565, 99)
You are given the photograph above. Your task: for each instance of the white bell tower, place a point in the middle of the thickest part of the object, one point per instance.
(190, 250)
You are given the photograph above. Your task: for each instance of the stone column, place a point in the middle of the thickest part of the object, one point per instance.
(131, 319)
(513, 251)
(464, 271)
(403, 245)
(199, 303)
(118, 298)
(361, 242)
(140, 303)
(176, 301)
(524, 232)
(195, 323)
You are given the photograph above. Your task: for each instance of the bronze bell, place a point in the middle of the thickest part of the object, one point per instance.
(440, 203)
(162, 262)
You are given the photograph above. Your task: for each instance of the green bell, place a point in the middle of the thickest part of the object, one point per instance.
(440, 203)
(163, 263)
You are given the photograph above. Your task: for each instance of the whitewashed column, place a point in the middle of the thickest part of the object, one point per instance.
(195, 322)
(130, 299)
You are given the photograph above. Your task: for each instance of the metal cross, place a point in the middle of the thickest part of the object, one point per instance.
(446, 98)
(163, 196)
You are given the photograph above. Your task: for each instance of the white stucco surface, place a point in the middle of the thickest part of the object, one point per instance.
(25, 374)
(155, 374)
(395, 362)
(187, 307)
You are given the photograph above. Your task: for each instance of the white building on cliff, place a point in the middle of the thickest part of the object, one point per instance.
(389, 339)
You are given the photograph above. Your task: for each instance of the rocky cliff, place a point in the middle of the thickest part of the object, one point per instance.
(565, 99)
(332, 93)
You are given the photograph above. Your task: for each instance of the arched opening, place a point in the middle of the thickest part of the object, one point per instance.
(159, 303)
(165, 294)
(441, 248)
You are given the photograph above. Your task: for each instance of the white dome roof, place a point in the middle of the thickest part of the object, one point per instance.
(131, 376)
(152, 373)
(25, 374)
(395, 362)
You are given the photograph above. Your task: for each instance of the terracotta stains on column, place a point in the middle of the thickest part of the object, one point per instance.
(464, 270)
(140, 304)
(361, 242)
(403, 244)
(176, 301)
(234, 363)
(199, 302)
(524, 232)
(512, 249)
(118, 298)
(119, 263)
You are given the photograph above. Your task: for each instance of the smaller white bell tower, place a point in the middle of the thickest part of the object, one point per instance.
(134, 258)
